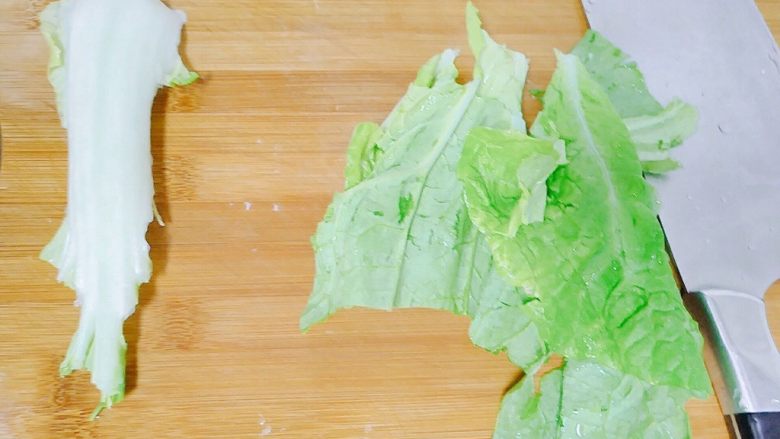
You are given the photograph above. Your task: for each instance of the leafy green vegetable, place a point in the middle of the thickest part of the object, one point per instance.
(585, 399)
(597, 263)
(400, 235)
(654, 129)
(654, 135)
(107, 61)
(545, 249)
(362, 153)
(370, 260)
(510, 170)
(617, 75)
(526, 414)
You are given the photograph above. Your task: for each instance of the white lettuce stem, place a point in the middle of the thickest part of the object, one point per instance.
(108, 59)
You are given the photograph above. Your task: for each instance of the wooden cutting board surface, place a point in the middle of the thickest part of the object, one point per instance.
(246, 161)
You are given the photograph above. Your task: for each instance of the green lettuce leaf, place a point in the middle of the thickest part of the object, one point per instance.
(583, 399)
(654, 129)
(597, 263)
(400, 235)
(617, 74)
(506, 173)
(525, 414)
(362, 153)
(450, 205)
(654, 135)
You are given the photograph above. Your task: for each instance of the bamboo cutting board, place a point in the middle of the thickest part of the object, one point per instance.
(246, 161)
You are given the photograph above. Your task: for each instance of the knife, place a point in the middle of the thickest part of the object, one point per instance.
(721, 210)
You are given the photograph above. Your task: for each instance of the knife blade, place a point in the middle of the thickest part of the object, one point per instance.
(721, 210)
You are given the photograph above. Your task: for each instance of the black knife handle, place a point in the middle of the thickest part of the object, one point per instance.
(765, 425)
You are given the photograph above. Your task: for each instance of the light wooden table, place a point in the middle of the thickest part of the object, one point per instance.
(246, 161)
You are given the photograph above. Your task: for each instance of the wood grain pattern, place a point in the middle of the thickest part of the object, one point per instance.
(246, 161)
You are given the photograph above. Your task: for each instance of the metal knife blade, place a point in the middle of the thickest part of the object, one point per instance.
(721, 210)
